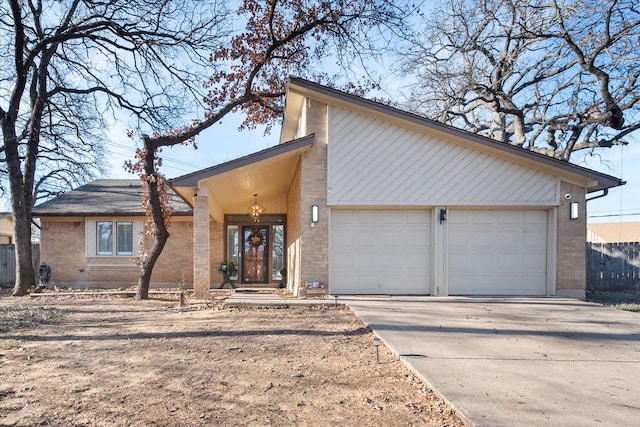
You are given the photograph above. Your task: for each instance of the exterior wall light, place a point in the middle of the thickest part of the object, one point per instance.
(315, 213)
(443, 215)
(573, 213)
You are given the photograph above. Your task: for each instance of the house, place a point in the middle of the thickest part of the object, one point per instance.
(370, 199)
(613, 232)
(90, 237)
(6, 228)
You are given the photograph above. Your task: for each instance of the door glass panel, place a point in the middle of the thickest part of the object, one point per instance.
(233, 249)
(277, 252)
(255, 254)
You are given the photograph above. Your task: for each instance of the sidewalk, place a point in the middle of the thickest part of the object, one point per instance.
(256, 298)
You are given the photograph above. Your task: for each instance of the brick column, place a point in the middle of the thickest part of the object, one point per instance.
(201, 267)
(314, 241)
(572, 233)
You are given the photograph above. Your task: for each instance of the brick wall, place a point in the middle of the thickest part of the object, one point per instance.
(175, 264)
(314, 241)
(571, 278)
(63, 247)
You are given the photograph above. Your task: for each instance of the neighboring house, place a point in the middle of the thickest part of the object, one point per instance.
(90, 237)
(613, 232)
(369, 199)
(6, 228)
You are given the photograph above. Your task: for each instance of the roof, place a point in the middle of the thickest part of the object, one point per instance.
(113, 197)
(616, 232)
(298, 89)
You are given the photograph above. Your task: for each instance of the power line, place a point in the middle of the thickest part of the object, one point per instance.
(164, 158)
(614, 215)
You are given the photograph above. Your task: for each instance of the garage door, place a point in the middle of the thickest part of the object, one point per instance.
(497, 252)
(380, 252)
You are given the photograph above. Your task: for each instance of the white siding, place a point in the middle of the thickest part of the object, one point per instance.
(380, 251)
(375, 163)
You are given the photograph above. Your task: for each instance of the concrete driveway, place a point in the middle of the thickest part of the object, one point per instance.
(517, 361)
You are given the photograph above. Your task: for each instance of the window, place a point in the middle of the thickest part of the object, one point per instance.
(233, 248)
(277, 252)
(105, 238)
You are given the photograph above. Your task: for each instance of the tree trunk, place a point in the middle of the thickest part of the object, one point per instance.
(160, 232)
(21, 204)
(25, 276)
(160, 239)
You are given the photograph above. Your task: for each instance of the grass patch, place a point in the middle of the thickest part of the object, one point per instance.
(80, 389)
(21, 317)
(629, 301)
(9, 344)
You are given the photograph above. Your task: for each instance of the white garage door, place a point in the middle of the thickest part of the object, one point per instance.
(380, 252)
(497, 252)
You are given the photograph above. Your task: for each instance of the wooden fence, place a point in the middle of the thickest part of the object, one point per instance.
(613, 266)
(8, 263)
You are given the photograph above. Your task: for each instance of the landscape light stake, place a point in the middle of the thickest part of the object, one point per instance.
(376, 342)
(335, 300)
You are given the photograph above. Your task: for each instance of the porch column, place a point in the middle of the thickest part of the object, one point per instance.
(201, 267)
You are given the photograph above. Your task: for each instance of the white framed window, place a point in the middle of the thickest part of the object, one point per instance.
(111, 238)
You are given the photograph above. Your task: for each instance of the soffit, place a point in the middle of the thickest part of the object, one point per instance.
(266, 173)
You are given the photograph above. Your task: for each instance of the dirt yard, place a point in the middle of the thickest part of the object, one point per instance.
(117, 362)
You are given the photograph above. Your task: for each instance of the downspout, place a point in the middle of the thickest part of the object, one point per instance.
(604, 193)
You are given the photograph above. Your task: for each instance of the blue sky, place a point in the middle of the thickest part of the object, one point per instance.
(224, 142)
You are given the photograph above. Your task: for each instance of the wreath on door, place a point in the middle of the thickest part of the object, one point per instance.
(255, 239)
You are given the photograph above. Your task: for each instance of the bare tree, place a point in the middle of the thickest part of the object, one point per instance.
(73, 62)
(281, 37)
(553, 76)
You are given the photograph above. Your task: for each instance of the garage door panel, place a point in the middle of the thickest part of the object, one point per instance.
(482, 263)
(344, 261)
(481, 218)
(509, 263)
(345, 219)
(411, 261)
(390, 251)
(482, 239)
(534, 239)
(497, 252)
(509, 239)
(534, 263)
(535, 217)
(418, 217)
(345, 240)
(459, 263)
(393, 259)
(392, 239)
(366, 217)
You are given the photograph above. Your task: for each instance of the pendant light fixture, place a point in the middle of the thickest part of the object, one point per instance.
(256, 209)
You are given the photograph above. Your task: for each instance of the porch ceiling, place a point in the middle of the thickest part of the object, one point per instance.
(232, 184)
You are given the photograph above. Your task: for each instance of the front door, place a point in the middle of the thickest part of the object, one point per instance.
(255, 254)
